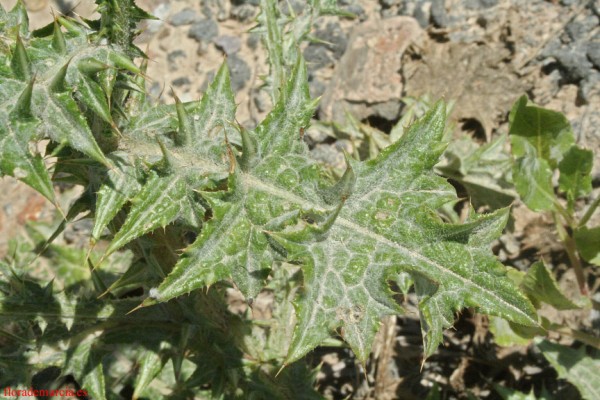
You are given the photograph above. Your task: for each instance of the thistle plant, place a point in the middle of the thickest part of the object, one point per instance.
(204, 203)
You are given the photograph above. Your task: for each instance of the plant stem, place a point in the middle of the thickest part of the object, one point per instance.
(571, 250)
(565, 214)
(590, 211)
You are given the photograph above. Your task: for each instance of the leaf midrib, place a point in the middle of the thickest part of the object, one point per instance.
(254, 182)
(258, 184)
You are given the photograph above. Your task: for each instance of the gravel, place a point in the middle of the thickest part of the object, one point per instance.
(590, 87)
(593, 53)
(184, 17)
(173, 56)
(181, 81)
(317, 56)
(228, 44)
(316, 87)
(488, 3)
(244, 12)
(574, 64)
(335, 37)
(438, 14)
(580, 29)
(240, 72)
(203, 30)
(356, 10)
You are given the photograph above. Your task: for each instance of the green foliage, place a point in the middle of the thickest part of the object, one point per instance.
(576, 366)
(204, 205)
(482, 170)
(588, 244)
(543, 144)
(508, 394)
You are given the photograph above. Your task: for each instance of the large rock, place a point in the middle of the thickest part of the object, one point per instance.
(368, 74)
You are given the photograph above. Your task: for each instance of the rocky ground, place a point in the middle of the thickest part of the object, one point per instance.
(481, 54)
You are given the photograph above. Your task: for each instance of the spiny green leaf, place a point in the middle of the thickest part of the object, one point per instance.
(20, 63)
(118, 23)
(23, 106)
(16, 158)
(233, 243)
(388, 225)
(84, 364)
(92, 95)
(121, 185)
(214, 114)
(66, 124)
(16, 20)
(228, 246)
(156, 205)
(58, 39)
(272, 40)
(350, 244)
(150, 365)
(575, 366)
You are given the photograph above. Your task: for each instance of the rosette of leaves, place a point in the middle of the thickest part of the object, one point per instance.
(156, 175)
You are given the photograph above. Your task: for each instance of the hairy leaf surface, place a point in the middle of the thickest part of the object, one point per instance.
(249, 199)
(351, 237)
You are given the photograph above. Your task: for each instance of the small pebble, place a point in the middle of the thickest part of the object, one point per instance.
(253, 40)
(173, 56)
(422, 16)
(593, 53)
(317, 56)
(202, 48)
(261, 100)
(589, 88)
(183, 17)
(438, 14)
(316, 88)
(356, 10)
(488, 3)
(335, 36)
(574, 63)
(244, 12)
(228, 44)
(181, 81)
(205, 29)
(240, 72)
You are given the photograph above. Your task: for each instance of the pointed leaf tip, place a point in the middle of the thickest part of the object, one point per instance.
(58, 39)
(248, 149)
(91, 66)
(20, 61)
(57, 84)
(185, 124)
(343, 188)
(23, 106)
